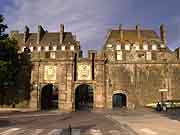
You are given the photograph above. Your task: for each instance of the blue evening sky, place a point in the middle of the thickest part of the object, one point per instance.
(91, 19)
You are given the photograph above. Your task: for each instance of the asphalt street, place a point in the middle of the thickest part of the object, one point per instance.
(55, 123)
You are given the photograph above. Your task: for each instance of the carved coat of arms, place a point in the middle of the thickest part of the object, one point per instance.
(84, 72)
(50, 73)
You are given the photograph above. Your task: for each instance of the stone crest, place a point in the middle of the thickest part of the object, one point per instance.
(84, 72)
(50, 73)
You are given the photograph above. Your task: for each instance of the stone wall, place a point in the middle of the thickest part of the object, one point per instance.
(143, 81)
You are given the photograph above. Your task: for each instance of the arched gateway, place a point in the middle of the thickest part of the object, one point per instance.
(49, 97)
(84, 97)
(119, 100)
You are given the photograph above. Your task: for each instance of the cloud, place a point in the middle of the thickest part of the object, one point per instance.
(88, 19)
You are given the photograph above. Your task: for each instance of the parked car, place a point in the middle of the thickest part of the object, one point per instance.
(170, 104)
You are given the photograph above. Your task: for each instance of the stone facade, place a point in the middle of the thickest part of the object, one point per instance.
(134, 62)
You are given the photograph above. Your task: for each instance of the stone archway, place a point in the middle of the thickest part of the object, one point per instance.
(84, 98)
(49, 97)
(119, 99)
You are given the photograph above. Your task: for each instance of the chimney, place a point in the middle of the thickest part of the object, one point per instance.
(40, 33)
(26, 33)
(138, 31)
(163, 34)
(121, 32)
(74, 37)
(61, 36)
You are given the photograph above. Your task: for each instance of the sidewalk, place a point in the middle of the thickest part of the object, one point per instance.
(148, 123)
(7, 110)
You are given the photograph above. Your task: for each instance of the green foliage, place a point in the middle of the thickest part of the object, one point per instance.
(8, 58)
(3, 27)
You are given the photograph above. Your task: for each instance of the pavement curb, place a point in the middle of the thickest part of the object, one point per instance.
(123, 125)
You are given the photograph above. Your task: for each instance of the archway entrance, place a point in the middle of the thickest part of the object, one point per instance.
(119, 100)
(84, 97)
(49, 97)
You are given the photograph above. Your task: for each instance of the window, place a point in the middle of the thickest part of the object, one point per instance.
(109, 45)
(148, 56)
(52, 55)
(31, 48)
(137, 47)
(127, 47)
(119, 55)
(163, 46)
(54, 48)
(63, 48)
(118, 47)
(154, 47)
(145, 47)
(39, 48)
(72, 47)
(47, 54)
(22, 49)
(46, 48)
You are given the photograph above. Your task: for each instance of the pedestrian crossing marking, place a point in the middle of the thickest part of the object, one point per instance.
(114, 132)
(9, 131)
(148, 131)
(25, 131)
(55, 132)
(95, 132)
(19, 132)
(38, 131)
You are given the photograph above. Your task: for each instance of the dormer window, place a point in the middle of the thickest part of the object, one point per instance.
(39, 48)
(154, 47)
(136, 46)
(163, 46)
(119, 55)
(31, 48)
(22, 49)
(54, 48)
(127, 47)
(72, 47)
(63, 48)
(46, 48)
(109, 46)
(145, 47)
(118, 47)
(148, 56)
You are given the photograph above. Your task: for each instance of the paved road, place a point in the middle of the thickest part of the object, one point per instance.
(52, 123)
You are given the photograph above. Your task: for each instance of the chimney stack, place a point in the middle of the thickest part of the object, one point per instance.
(26, 33)
(163, 34)
(61, 36)
(121, 32)
(40, 33)
(138, 31)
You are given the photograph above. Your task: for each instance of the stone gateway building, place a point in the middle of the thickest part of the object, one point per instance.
(135, 67)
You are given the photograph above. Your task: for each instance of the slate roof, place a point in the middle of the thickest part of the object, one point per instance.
(47, 38)
(131, 35)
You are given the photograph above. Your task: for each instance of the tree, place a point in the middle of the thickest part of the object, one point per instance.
(9, 63)
(3, 27)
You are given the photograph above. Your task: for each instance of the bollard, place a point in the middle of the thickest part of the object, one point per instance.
(69, 130)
